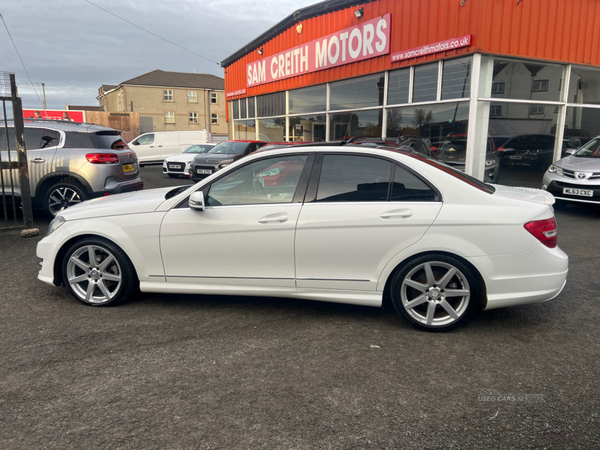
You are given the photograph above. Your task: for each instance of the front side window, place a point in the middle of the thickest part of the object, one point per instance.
(146, 139)
(193, 117)
(272, 180)
(168, 95)
(352, 178)
(169, 117)
(192, 97)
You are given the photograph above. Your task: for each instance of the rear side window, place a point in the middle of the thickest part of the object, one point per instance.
(407, 187)
(350, 178)
(78, 140)
(50, 138)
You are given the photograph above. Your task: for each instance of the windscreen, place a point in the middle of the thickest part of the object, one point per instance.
(230, 148)
(590, 150)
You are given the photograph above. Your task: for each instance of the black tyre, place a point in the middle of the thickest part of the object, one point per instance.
(61, 195)
(435, 292)
(98, 273)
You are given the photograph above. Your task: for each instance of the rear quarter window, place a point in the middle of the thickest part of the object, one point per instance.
(78, 140)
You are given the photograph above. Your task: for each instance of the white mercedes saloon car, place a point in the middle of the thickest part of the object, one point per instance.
(351, 225)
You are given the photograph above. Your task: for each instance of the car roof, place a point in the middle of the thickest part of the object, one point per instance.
(249, 142)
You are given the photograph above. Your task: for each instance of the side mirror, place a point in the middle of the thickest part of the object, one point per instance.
(196, 201)
(135, 143)
(570, 151)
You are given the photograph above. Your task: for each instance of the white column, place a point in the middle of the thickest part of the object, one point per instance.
(385, 96)
(562, 114)
(479, 115)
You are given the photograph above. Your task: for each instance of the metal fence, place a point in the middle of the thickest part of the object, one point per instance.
(14, 174)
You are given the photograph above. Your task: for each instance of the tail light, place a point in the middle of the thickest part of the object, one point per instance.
(501, 149)
(102, 158)
(544, 231)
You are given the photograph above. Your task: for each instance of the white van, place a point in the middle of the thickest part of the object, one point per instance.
(156, 146)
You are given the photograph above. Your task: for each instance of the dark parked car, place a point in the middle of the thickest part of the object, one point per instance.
(221, 155)
(453, 151)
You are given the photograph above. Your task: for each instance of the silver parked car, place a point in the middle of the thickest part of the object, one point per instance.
(576, 178)
(71, 162)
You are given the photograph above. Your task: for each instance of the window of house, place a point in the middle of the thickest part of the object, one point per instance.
(495, 110)
(168, 95)
(169, 116)
(192, 97)
(536, 109)
(214, 119)
(193, 117)
(213, 98)
(498, 88)
(540, 86)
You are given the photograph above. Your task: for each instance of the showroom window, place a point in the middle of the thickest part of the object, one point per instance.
(245, 130)
(584, 86)
(352, 124)
(307, 128)
(357, 93)
(271, 130)
(243, 109)
(456, 78)
(527, 80)
(236, 109)
(398, 87)
(251, 107)
(307, 100)
(425, 83)
(349, 178)
(271, 104)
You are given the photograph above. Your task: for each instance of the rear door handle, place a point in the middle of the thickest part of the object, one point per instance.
(38, 160)
(160, 145)
(271, 218)
(397, 214)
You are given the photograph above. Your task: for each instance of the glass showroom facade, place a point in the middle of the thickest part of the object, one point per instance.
(500, 119)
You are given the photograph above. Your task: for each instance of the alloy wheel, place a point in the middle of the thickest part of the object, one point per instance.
(94, 274)
(435, 294)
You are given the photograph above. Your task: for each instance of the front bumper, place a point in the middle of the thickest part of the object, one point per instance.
(176, 168)
(555, 184)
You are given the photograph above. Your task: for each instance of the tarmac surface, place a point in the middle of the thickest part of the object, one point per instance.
(210, 372)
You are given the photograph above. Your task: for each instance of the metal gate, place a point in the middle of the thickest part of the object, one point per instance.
(15, 191)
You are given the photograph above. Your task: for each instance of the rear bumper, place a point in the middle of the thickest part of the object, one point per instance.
(538, 275)
(113, 186)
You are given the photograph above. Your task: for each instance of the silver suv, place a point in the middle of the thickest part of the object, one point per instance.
(71, 162)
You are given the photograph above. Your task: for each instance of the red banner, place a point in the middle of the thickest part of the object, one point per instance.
(54, 114)
(442, 46)
(364, 41)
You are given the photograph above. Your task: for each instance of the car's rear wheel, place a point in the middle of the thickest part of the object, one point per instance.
(62, 195)
(98, 273)
(435, 292)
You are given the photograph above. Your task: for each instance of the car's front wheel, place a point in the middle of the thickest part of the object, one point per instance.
(62, 195)
(435, 292)
(98, 273)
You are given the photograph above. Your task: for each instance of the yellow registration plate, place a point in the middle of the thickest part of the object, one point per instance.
(128, 168)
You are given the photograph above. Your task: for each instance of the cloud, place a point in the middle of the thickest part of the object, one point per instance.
(74, 47)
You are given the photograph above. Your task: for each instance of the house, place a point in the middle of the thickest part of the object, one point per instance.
(170, 101)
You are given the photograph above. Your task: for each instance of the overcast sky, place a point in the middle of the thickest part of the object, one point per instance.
(74, 47)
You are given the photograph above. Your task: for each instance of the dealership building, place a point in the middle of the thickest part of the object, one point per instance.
(515, 82)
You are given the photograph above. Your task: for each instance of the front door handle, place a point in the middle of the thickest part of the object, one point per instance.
(271, 218)
(160, 145)
(38, 160)
(397, 214)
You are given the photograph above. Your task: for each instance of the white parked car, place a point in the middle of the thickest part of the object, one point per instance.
(152, 148)
(177, 165)
(356, 225)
